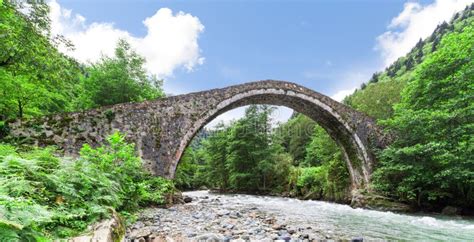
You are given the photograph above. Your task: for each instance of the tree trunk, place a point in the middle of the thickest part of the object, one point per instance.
(20, 109)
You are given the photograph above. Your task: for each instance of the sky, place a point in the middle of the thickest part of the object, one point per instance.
(330, 46)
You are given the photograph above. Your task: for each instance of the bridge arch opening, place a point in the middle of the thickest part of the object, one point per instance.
(292, 149)
(334, 122)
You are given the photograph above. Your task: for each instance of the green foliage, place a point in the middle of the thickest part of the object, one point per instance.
(328, 181)
(4, 130)
(249, 150)
(192, 171)
(35, 77)
(186, 170)
(19, 218)
(331, 180)
(283, 165)
(248, 156)
(321, 149)
(432, 160)
(118, 79)
(383, 90)
(377, 99)
(44, 194)
(311, 178)
(295, 135)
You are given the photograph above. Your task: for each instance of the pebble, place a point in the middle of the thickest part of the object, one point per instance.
(209, 218)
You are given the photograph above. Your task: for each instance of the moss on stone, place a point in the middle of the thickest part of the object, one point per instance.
(365, 199)
(118, 232)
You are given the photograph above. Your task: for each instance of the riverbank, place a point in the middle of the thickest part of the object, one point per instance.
(207, 218)
(248, 217)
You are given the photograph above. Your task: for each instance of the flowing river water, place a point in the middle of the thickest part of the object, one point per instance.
(334, 221)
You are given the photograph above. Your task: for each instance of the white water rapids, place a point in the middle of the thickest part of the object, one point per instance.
(345, 222)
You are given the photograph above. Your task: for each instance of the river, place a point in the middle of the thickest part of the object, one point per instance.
(324, 219)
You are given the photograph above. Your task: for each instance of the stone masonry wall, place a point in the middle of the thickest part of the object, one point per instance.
(163, 128)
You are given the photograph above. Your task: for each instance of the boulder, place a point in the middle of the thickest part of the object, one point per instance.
(377, 202)
(450, 210)
(109, 230)
(176, 198)
(187, 199)
(140, 233)
(278, 226)
(210, 238)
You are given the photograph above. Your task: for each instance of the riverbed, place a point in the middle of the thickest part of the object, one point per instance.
(217, 217)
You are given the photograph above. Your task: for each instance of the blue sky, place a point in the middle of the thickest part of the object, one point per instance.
(329, 46)
(314, 43)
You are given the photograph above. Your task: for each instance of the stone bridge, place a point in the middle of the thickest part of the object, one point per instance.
(163, 128)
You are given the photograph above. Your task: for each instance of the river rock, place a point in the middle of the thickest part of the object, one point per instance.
(284, 238)
(213, 221)
(228, 226)
(377, 202)
(449, 210)
(210, 238)
(235, 214)
(139, 233)
(187, 199)
(109, 230)
(278, 226)
(223, 212)
(138, 225)
(238, 232)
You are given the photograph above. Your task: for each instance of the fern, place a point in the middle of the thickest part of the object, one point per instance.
(43, 194)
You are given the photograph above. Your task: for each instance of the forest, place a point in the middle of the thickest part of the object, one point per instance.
(424, 99)
(43, 195)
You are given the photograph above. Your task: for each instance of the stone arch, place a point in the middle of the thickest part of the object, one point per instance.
(163, 128)
(335, 118)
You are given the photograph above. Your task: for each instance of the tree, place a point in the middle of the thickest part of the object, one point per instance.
(215, 155)
(377, 99)
(248, 147)
(321, 149)
(432, 160)
(375, 77)
(36, 78)
(295, 135)
(118, 79)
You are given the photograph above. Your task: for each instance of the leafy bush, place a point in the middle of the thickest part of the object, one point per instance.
(59, 197)
(329, 181)
(432, 161)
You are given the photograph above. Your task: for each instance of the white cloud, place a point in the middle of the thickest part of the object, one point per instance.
(227, 117)
(280, 115)
(414, 22)
(340, 95)
(171, 41)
